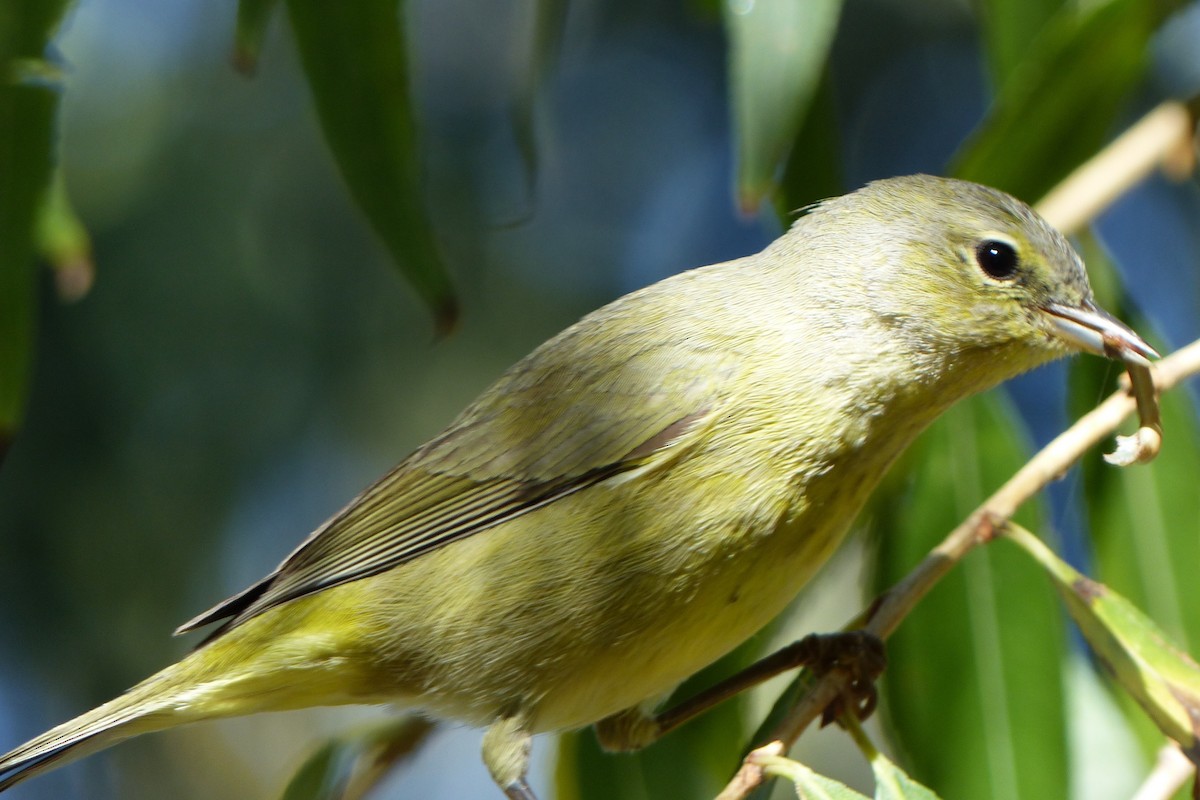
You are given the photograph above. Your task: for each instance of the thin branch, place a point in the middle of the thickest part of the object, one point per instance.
(1170, 773)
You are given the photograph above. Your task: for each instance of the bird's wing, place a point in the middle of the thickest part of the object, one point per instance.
(547, 429)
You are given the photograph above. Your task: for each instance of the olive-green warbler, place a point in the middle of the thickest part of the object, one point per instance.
(642, 492)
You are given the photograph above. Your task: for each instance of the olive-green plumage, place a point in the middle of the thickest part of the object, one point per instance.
(642, 492)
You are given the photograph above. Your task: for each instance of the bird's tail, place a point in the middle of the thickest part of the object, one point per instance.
(152, 705)
(265, 665)
(185, 692)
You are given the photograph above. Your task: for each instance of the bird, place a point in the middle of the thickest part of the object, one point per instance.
(642, 492)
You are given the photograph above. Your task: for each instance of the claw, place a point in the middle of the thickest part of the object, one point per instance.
(861, 656)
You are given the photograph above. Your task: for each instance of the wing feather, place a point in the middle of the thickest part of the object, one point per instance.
(566, 418)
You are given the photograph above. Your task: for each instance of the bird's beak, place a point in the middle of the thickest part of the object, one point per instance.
(1093, 329)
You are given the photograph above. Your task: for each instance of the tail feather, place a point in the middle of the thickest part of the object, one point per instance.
(266, 664)
(140, 710)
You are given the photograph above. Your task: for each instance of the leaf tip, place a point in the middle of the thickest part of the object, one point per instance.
(749, 199)
(244, 60)
(74, 278)
(446, 316)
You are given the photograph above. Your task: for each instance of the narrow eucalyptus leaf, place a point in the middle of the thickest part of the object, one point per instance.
(26, 136)
(1161, 677)
(64, 242)
(1059, 104)
(973, 689)
(253, 16)
(355, 56)
(1008, 27)
(348, 766)
(777, 51)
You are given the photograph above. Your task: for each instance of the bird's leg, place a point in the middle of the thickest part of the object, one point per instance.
(519, 790)
(506, 753)
(857, 652)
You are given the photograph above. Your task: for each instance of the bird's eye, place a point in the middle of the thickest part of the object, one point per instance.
(998, 259)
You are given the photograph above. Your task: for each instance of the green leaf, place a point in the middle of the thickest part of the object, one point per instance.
(893, 783)
(1145, 522)
(252, 19)
(813, 170)
(777, 51)
(347, 767)
(549, 24)
(321, 776)
(1008, 27)
(64, 242)
(1059, 104)
(1162, 678)
(28, 104)
(809, 785)
(355, 57)
(26, 27)
(26, 129)
(973, 689)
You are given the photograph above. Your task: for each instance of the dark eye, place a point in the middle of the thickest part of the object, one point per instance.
(998, 259)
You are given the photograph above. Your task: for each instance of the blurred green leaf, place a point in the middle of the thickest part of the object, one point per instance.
(355, 56)
(64, 242)
(1008, 28)
(253, 16)
(26, 130)
(26, 27)
(1059, 104)
(1163, 679)
(549, 23)
(321, 776)
(813, 171)
(28, 103)
(973, 689)
(1145, 522)
(777, 52)
(347, 767)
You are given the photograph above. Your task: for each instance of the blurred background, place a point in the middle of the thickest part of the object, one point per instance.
(248, 356)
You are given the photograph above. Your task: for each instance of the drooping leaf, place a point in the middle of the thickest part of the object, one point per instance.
(64, 242)
(355, 56)
(1160, 676)
(813, 169)
(1145, 525)
(1059, 104)
(28, 103)
(549, 22)
(348, 766)
(777, 52)
(253, 16)
(1009, 26)
(973, 688)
